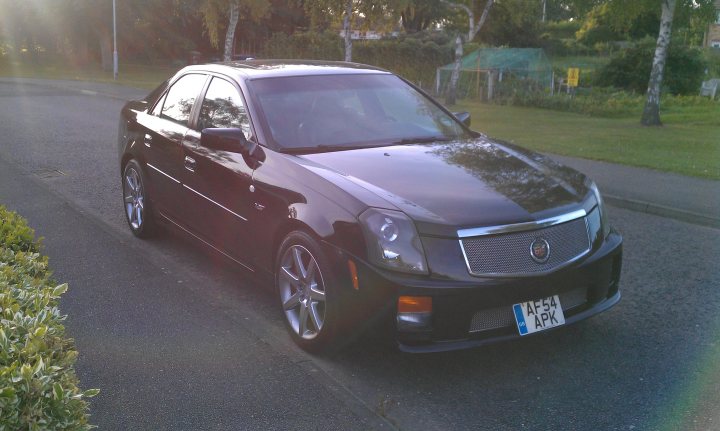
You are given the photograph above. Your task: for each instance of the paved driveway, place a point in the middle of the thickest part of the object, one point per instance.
(177, 338)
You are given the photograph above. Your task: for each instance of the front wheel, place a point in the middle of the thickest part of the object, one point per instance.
(305, 284)
(137, 210)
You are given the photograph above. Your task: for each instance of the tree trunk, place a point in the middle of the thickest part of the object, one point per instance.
(347, 30)
(452, 91)
(651, 113)
(230, 35)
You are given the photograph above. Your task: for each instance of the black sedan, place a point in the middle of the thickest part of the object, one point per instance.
(365, 200)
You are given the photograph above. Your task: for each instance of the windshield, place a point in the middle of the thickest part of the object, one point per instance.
(349, 111)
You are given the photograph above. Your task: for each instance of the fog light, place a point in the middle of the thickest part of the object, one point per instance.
(414, 313)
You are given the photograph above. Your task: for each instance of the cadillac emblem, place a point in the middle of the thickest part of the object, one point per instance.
(540, 250)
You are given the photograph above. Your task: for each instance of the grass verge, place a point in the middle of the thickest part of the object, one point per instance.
(38, 386)
(688, 143)
(131, 75)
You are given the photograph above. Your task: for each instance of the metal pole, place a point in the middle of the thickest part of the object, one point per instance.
(115, 55)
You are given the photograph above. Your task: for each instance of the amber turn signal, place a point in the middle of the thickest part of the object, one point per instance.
(354, 275)
(414, 304)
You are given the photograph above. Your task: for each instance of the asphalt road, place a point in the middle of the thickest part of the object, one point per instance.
(177, 338)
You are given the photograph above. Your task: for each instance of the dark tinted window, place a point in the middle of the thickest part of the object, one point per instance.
(181, 97)
(223, 108)
(349, 110)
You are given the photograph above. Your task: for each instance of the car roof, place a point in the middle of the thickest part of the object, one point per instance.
(252, 69)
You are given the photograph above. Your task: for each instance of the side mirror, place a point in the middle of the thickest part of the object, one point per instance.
(230, 140)
(233, 141)
(464, 117)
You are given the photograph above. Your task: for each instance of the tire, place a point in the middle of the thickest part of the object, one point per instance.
(307, 292)
(136, 205)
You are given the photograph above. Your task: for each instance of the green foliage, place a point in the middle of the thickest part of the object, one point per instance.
(561, 29)
(413, 57)
(712, 58)
(513, 23)
(309, 45)
(604, 102)
(38, 386)
(630, 69)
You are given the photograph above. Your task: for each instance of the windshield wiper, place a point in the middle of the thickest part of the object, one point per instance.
(323, 148)
(425, 140)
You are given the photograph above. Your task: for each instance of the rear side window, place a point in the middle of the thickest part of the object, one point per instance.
(223, 108)
(180, 99)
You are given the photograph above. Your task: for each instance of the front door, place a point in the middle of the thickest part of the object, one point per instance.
(217, 183)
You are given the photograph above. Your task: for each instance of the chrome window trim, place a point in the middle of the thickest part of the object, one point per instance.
(161, 172)
(521, 227)
(221, 206)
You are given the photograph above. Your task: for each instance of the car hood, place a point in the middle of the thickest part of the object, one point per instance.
(446, 186)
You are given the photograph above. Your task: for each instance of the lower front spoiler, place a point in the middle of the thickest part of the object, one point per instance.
(444, 346)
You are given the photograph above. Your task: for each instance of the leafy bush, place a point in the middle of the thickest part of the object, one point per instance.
(630, 69)
(712, 58)
(605, 102)
(310, 45)
(38, 386)
(413, 57)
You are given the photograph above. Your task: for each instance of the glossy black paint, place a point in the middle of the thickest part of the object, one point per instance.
(242, 196)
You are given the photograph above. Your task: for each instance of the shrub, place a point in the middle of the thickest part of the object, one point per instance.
(630, 68)
(712, 58)
(414, 57)
(607, 102)
(38, 386)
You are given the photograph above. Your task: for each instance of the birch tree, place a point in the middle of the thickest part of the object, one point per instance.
(651, 112)
(215, 12)
(473, 29)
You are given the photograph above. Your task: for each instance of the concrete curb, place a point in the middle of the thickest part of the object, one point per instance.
(663, 211)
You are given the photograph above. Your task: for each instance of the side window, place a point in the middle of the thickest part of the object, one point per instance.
(158, 106)
(223, 108)
(181, 97)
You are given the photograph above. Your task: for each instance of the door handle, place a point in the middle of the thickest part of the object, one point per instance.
(148, 140)
(190, 164)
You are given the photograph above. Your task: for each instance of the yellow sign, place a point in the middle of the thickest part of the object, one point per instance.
(573, 77)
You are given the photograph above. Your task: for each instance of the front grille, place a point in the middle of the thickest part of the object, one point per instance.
(508, 254)
(503, 317)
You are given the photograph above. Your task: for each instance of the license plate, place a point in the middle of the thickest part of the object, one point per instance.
(538, 315)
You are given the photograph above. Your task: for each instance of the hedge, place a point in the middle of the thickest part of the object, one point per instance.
(414, 58)
(38, 386)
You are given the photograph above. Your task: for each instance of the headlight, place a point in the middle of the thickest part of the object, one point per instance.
(392, 241)
(604, 222)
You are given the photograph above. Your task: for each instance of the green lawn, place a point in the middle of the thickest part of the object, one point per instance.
(688, 143)
(147, 77)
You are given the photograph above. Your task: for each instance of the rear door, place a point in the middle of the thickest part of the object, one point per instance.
(218, 182)
(165, 129)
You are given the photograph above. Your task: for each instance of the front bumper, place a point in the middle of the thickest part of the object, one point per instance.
(472, 313)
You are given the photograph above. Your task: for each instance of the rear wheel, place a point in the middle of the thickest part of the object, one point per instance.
(306, 290)
(137, 210)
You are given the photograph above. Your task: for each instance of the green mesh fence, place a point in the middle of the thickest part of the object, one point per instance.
(509, 69)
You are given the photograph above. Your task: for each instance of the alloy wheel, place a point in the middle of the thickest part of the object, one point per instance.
(134, 197)
(302, 292)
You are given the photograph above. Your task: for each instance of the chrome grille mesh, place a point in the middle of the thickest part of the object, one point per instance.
(503, 317)
(509, 253)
